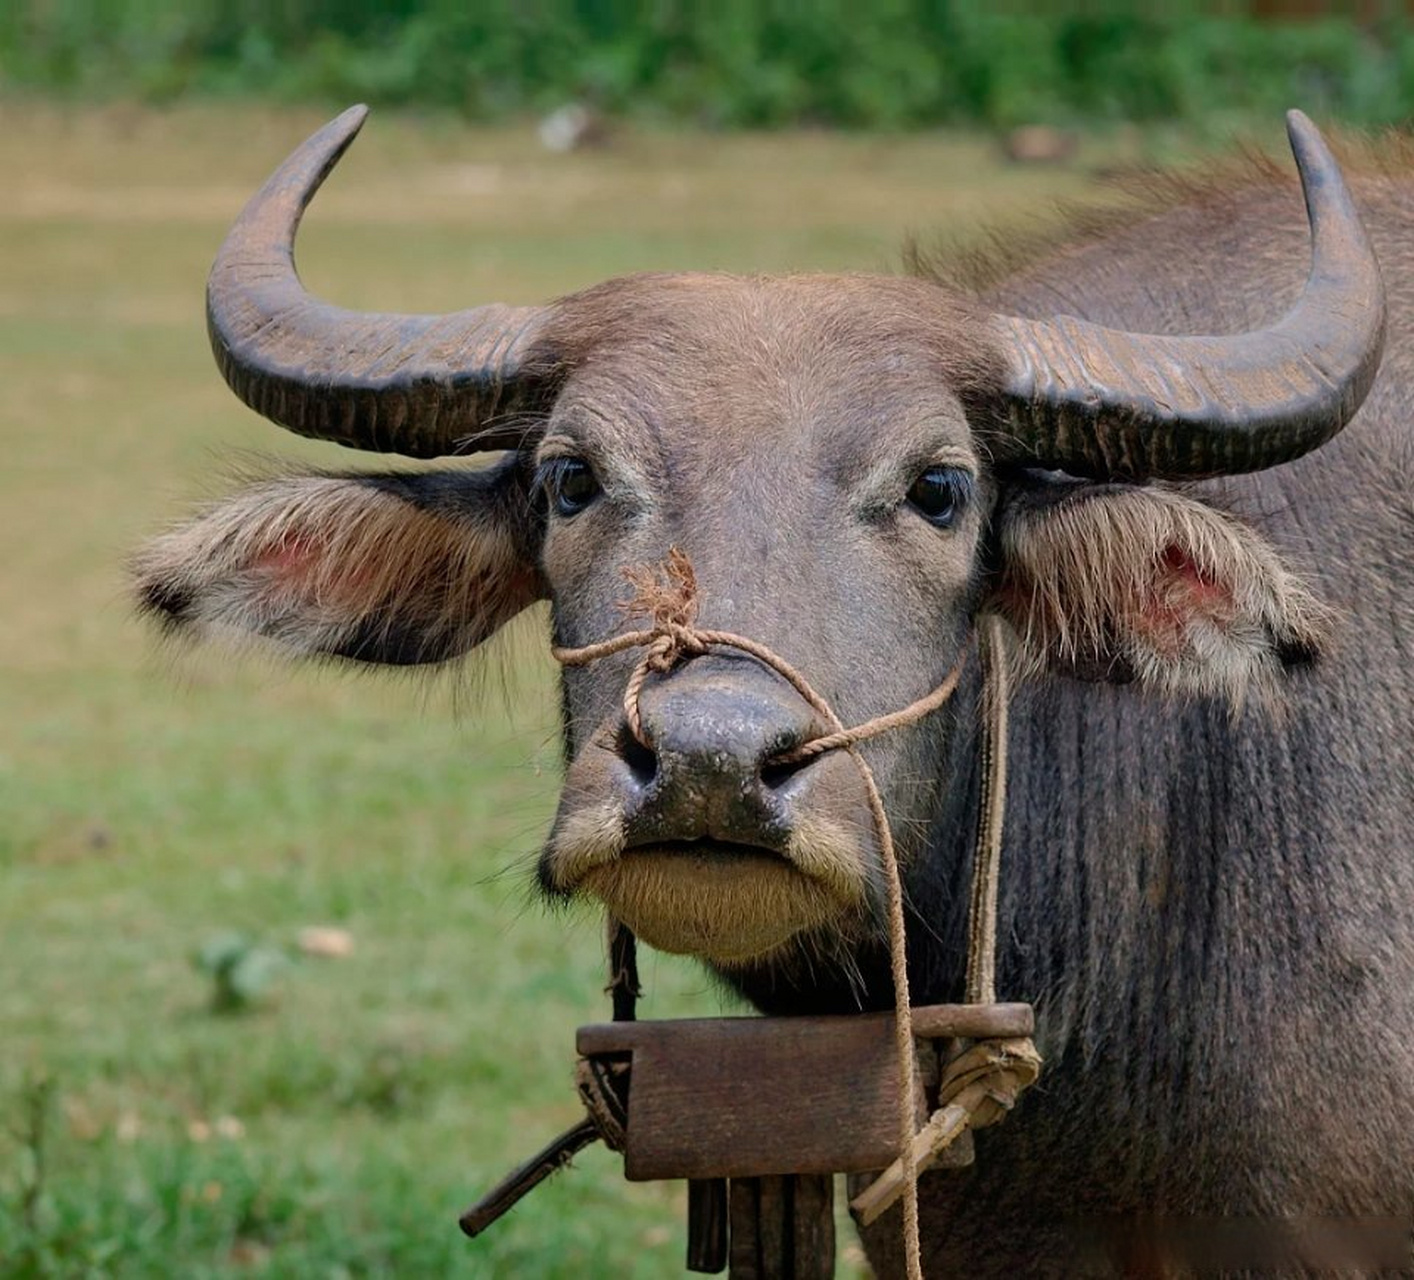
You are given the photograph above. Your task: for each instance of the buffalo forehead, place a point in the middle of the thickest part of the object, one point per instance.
(722, 366)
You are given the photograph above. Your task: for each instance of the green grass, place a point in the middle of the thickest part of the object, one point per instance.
(150, 800)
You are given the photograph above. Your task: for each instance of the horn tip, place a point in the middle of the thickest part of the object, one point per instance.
(1315, 164)
(1302, 133)
(347, 123)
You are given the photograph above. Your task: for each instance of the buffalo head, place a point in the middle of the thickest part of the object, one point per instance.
(857, 467)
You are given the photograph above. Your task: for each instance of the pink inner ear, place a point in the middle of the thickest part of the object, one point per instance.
(1183, 593)
(289, 560)
(298, 566)
(1197, 584)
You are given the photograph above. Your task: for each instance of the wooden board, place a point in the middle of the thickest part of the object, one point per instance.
(746, 1097)
(782, 1228)
(707, 1225)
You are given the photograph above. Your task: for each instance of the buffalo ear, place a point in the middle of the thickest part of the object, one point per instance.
(1115, 582)
(411, 568)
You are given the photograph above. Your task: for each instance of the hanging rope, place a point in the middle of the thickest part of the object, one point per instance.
(982, 912)
(981, 1084)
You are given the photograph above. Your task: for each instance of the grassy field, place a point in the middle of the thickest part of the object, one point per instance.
(151, 801)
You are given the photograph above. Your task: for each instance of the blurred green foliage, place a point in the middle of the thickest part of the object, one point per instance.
(895, 63)
(241, 972)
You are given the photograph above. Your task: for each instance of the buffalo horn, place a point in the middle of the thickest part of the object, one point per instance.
(1103, 402)
(422, 385)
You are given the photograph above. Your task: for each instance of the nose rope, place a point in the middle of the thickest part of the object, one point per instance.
(668, 599)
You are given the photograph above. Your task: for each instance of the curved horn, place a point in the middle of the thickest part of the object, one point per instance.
(414, 384)
(1099, 401)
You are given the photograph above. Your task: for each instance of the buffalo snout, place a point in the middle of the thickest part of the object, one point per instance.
(707, 767)
(697, 831)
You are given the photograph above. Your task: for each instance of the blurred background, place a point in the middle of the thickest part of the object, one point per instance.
(275, 997)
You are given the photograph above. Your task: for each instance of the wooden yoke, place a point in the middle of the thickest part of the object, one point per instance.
(758, 1114)
(746, 1097)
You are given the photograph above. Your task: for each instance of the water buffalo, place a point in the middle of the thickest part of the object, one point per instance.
(1208, 890)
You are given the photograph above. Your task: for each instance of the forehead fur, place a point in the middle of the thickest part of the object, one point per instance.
(759, 349)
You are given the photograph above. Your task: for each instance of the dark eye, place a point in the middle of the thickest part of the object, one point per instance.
(570, 483)
(940, 494)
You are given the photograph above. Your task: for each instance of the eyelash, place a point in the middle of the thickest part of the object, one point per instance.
(568, 483)
(940, 494)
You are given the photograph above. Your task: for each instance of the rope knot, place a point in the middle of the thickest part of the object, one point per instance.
(665, 596)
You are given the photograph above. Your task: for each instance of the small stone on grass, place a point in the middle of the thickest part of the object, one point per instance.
(326, 941)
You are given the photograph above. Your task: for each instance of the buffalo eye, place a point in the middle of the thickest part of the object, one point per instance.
(570, 484)
(940, 494)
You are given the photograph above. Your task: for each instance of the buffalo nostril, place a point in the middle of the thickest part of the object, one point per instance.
(776, 773)
(642, 762)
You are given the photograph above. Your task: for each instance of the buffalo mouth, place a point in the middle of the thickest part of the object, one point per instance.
(728, 902)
